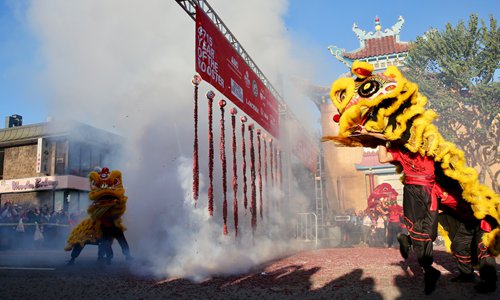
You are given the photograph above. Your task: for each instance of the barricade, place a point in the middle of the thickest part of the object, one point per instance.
(15, 236)
(307, 227)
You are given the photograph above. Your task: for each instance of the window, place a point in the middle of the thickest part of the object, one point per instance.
(60, 157)
(85, 159)
(74, 159)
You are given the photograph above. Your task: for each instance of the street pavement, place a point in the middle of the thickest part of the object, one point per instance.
(333, 273)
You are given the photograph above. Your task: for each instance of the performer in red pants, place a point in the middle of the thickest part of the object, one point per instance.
(419, 208)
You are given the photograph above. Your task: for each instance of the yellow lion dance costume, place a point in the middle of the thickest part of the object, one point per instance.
(109, 205)
(391, 105)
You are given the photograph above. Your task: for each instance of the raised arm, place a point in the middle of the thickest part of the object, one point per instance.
(383, 155)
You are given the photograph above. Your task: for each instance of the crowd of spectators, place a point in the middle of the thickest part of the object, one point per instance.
(372, 227)
(34, 227)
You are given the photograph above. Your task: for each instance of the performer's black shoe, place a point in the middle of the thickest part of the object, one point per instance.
(431, 277)
(404, 245)
(464, 278)
(485, 287)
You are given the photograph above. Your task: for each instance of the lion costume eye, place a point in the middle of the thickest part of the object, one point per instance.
(368, 88)
(341, 92)
(341, 95)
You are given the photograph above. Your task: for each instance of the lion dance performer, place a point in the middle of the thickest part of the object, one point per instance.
(376, 108)
(104, 220)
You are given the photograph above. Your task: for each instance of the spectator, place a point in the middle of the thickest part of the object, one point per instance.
(380, 230)
(366, 228)
(394, 223)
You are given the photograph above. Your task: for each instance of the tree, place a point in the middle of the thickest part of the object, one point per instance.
(456, 70)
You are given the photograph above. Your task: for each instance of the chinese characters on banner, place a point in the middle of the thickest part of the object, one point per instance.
(219, 64)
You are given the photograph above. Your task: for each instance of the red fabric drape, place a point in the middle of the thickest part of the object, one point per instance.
(243, 119)
(210, 97)
(233, 112)
(222, 156)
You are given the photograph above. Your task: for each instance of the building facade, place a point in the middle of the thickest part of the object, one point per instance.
(47, 164)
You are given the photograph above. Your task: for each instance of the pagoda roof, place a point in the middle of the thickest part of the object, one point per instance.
(377, 47)
(381, 43)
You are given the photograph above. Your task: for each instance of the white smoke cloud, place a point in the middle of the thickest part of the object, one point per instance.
(125, 66)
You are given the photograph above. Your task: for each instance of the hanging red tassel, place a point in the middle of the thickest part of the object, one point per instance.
(222, 156)
(260, 173)
(275, 153)
(253, 201)
(233, 112)
(271, 151)
(265, 157)
(210, 97)
(196, 167)
(243, 119)
(264, 136)
(280, 181)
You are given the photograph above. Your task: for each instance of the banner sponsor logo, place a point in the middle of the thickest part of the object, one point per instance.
(219, 64)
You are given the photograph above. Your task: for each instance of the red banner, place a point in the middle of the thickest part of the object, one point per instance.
(219, 64)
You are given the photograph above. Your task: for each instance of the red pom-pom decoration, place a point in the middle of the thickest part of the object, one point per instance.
(243, 119)
(222, 103)
(233, 111)
(336, 118)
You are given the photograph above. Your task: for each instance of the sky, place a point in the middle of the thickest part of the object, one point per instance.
(311, 27)
(126, 66)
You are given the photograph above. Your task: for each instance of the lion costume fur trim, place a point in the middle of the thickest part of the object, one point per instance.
(391, 105)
